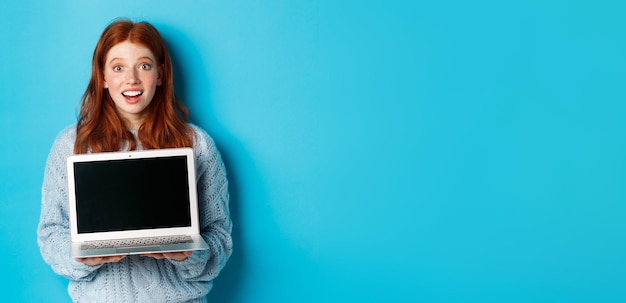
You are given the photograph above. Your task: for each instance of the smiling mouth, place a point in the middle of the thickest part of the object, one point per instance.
(132, 93)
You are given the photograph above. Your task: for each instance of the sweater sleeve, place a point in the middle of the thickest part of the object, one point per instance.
(215, 222)
(53, 235)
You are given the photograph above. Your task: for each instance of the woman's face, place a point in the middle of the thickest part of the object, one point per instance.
(131, 75)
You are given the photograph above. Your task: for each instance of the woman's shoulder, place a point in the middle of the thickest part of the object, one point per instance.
(67, 133)
(62, 147)
(202, 139)
(65, 138)
(204, 146)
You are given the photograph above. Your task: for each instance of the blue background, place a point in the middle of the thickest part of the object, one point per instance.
(379, 151)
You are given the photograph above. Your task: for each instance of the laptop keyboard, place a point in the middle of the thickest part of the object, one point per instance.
(150, 241)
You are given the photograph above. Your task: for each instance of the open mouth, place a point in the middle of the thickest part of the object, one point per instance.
(132, 93)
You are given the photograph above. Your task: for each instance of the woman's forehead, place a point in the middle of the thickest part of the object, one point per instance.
(129, 51)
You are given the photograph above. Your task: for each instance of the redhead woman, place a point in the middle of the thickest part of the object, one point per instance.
(130, 104)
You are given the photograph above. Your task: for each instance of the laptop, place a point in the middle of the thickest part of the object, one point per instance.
(134, 202)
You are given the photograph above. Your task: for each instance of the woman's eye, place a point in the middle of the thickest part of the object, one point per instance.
(145, 66)
(117, 68)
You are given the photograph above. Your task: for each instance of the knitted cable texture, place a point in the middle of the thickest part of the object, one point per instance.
(135, 278)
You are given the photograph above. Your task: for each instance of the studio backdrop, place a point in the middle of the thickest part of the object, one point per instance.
(377, 151)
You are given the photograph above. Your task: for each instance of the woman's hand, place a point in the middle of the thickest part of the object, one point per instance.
(176, 256)
(93, 261)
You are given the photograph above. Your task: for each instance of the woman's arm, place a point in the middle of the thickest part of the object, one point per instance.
(53, 235)
(215, 223)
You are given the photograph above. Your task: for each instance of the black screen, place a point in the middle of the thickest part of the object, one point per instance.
(132, 194)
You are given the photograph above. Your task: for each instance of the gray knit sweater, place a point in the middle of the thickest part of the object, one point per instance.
(135, 278)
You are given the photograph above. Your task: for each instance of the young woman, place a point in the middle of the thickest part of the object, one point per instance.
(130, 104)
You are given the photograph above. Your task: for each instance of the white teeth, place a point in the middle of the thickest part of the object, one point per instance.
(132, 93)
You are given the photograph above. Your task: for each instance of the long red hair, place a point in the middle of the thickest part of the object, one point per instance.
(101, 129)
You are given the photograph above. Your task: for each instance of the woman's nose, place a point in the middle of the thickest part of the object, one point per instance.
(132, 76)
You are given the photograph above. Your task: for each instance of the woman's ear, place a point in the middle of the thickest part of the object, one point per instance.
(160, 77)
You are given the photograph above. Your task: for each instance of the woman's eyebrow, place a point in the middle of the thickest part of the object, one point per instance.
(115, 60)
(138, 59)
(144, 58)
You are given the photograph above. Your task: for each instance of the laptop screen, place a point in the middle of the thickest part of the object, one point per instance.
(132, 194)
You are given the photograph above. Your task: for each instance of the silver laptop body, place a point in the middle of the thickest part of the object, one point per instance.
(136, 202)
